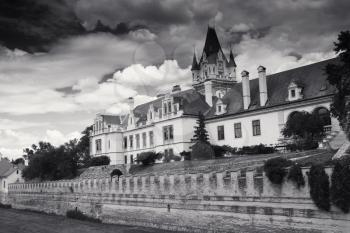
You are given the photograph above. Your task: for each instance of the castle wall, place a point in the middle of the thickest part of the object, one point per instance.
(189, 202)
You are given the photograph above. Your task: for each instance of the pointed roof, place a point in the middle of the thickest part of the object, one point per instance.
(212, 44)
(195, 65)
(232, 62)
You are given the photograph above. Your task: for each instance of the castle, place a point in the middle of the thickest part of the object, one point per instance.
(238, 114)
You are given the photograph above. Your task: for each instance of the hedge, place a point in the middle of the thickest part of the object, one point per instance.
(295, 174)
(340, 189)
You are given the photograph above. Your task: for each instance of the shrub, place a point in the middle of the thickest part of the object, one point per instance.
(295, 174)
(149, 157)
(99, 161)
(256, 149)
(319, 187)
(5, 206)
(77, 214)
(219, 151)
(275, 169)
(202, 151)
(340, 189)
(168, 158)
(116, 172)
(186, 155)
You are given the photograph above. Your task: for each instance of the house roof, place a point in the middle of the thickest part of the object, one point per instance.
(7, 168)
(312, 77)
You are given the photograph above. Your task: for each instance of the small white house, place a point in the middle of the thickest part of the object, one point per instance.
(9, 173)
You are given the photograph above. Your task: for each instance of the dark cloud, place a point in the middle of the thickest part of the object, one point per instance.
(32, 25)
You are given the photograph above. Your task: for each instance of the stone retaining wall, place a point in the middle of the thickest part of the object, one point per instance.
(188, 202)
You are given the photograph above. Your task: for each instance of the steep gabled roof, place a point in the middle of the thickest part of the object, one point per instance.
(195, 65)
(312, 77)
(232, 62)
(6, 168)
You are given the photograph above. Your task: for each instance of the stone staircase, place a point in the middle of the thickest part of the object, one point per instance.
(336, 141)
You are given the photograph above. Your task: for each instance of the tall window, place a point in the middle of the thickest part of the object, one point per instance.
(125, 159)
(292, 93)
(125, 142)
(256, 127)
(238, 130)
(131, 159)
(151, 142)
(131, 141)
(144, 138)
(221, 132)
(98, 144)
(168, 132)
(169, 107)
(137, 141)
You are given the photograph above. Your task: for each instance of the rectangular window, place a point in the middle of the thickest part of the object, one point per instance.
(131, 141)
(98, 144)
(125, 142)
(109, 144)
(169, 107)
(238, 130)
(137, 141)
(125, 159)
(166, 153)
(175, 108)
(144, 140)
(171, 152)
(165, 108)
(131, 159)
(292, 93)
(221, 132)
(168, 132)
(151, 143)
(256, 127)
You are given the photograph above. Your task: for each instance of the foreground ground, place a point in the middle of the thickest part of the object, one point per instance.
(18, 221)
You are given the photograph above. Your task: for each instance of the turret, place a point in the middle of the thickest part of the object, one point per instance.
(231, 66)
(195, 68)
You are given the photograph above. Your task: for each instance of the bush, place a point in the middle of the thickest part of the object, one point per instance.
(5, 206)
(256, 149)
(219, 151)
(149, 157)
(99, 161)
(340, 189)
(168, 158)
(303, 145)
(295, 174)
(275, 169)
(202, 151)
(186, 155)
(319, 187)
(77, 214)
(116, 172)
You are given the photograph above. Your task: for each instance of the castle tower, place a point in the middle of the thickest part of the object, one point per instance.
(213, 67)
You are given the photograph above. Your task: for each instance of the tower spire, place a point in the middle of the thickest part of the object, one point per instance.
(195, 65)
(231, 62)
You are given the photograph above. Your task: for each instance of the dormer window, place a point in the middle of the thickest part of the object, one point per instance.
(220, 107)
(295, 91)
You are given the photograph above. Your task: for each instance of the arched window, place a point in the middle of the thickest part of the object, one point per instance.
(323, 115)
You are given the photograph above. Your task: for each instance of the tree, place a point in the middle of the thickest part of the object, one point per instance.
(275, 169)
(18, 161)
(83, 148)
(319, 187)
(339, 76)
(305, 126)
(201, 151)
(340, 189)
(200, 132)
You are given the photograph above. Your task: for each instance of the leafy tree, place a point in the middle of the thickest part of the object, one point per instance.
(319, 187)
(340, 189)
(83, 148)
(186, 155)
(305, 126)
(18, 161)
(200, 132)
(339, 76)
(99, 161)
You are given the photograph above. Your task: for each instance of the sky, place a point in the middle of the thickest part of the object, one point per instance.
(63, 61)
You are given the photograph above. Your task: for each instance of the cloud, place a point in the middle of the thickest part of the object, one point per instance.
(7, 124)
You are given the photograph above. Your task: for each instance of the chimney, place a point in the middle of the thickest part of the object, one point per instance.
(131, 103)
(208, 92)
(176, 88)
(262, 85)
(245, 89)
